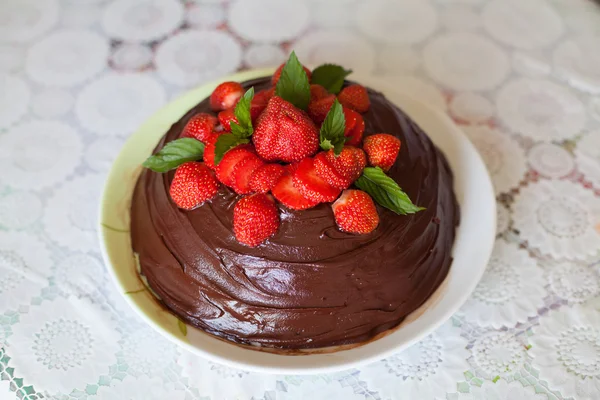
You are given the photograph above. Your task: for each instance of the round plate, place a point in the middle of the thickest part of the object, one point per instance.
(472, 248)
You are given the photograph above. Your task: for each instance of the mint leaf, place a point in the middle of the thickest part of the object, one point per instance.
(175, 153)
(385, 191)
(332, 129)
(330, 76)
(225, 143)
(243, 128)
(293, 84)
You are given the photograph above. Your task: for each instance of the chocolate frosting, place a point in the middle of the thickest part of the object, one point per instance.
(310, 285)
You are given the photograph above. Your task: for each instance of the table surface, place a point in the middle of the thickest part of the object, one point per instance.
(521, 77)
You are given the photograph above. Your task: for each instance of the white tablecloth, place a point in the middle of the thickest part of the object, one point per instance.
(522, 77)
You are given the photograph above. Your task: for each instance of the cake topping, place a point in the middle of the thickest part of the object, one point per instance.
(355, 127)
(226, 167)
(265, 177)
(226, 95)
(355, 97)
(200, 126)
(255, 219)
(311, 185)
(355, 212)
(386, 191)
(270, 142)
(192, 185)
(332, 130)
(330, 77)
(174, 154)
(288, 194)
(293, 84)
(382, 150)
(285, 133)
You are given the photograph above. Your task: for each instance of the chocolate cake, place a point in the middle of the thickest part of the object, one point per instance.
(311, 284)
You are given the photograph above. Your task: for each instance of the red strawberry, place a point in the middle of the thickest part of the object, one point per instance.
(291, 168)
(226, 117)
(318, 92)
(277, 74)
(259, 103)
(209, 150)
(355, 212)
(227, 165)
(318, 109)
(243, 171)
(355, 97)
(361, 159)
(192, 185)
(265, 177)
(287, 194)
(255, 219)
(226, 96)
(355, 127)
(311, 185)
(342, 170)
(200, 126)
(382, 150)
(285, 133)
(326, 171)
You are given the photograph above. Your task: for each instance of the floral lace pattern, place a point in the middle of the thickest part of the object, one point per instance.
(521, 78)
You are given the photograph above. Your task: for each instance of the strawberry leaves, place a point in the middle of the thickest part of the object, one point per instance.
(332, 130)
(293, 84)
(240, 131)
(330, 76)
(175, 153)
(385, 191)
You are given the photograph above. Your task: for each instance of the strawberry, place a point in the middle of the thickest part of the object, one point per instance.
(355, 127)
(255, 219)
(192, 185)
(311, 185)
(200, 126)
(355, 97)
(342, 170)
(209, 150)
(288, 195)
(326, 171)
(226, 95)
(382, 150)
(361, 159)
(355, 212)
(226, 117)
(318, 109)
(318, 92)
(243, 171)
(265, 177)
(277, 74)
(227, 165)
(285, 133)
(259, 103)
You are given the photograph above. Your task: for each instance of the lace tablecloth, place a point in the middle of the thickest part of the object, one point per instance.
(522, 77)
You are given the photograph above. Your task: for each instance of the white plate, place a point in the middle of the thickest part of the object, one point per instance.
(472, 248)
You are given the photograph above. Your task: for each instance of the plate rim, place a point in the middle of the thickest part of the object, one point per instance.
(269, 362)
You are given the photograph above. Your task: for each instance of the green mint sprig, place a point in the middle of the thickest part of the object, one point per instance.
(243, 127)
(332, 130)
(240, 131)
(330, 76)
(175, 153)
(293, 85)
(385, 191)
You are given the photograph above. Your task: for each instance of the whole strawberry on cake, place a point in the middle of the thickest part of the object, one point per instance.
(295, 211)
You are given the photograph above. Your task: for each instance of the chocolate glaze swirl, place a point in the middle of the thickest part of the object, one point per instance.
(310, 285)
